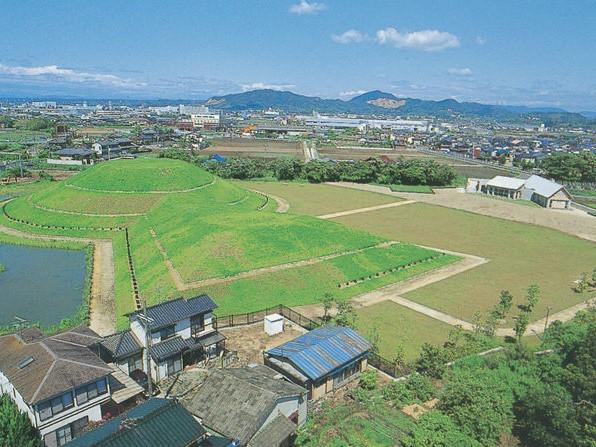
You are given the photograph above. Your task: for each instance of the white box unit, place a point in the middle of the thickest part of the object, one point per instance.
(274, 324)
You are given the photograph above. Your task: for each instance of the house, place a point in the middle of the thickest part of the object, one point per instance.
(254, 405)
(85, 156)
(547, 193)
(321, 360)
(58, 381)
(155, 423)
(504, 186)
(178, 333)
(112, 148)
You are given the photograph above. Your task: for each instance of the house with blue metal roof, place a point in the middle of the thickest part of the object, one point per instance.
(321, 360)
(174, 333)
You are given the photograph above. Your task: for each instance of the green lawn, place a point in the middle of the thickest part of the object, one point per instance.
(411, 188)
(142, 175)
(399, 326)
(306, 198)
(519, 255)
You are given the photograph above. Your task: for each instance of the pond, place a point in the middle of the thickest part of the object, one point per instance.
(42, 285)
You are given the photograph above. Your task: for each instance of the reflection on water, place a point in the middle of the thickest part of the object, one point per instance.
(40, 284)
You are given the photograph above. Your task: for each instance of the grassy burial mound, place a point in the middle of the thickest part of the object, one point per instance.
(187, 227)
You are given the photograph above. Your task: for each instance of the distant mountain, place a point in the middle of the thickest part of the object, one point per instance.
(377, 102)
(589, 115)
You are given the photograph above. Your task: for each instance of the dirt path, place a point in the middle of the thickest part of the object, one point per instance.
(107, 191)
(182, 285)
(282, 204)
(365, 210)
(102, 314)
(570, 222)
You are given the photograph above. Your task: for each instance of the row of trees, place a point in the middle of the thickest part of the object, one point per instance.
(372, 170)
(569, 167)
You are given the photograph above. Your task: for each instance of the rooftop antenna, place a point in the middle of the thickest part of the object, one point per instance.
(146, 321)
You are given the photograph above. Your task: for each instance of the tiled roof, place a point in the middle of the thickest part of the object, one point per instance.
(274, 433)
(542, 186)
(210, 339)
(121, 345)
(506, 182)
(60, 363)
(155, 423)
(170, 312)
(323, 350)
(237, 402)
(170, 347)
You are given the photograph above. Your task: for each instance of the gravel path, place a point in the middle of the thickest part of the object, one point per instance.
(365, 210)
(102, 318)
(572, 222)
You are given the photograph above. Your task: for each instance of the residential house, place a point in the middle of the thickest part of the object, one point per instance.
(255, 406)
(112, 148)
(321, 360)
(155, 423)
(178, 332)
(58, 381)
(85, 156)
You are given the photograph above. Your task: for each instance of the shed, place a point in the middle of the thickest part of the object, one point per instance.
(274, 324)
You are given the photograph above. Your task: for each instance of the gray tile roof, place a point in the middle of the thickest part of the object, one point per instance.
(210, 339)
(121, 345)
(170, 312)
(172, 346)
(543, 187)
(274, 433)
(506, 182)
(237, 402)
(59, 364)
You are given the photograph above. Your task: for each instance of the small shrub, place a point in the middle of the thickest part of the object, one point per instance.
(368, 380)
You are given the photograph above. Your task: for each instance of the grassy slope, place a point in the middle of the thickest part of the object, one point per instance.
(143, 174)
(519, 255)
(315, 200)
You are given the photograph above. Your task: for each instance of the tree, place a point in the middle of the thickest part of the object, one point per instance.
(431, 361)
(399, 358)
(594, 277)
(521, 324)
(327, 302)
(436, 429)
(582, 283)
(15, 427)
(346, 315)
(480, 402)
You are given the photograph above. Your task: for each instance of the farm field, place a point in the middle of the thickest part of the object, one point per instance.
(214, 231)
(519, 255)
(306, 198)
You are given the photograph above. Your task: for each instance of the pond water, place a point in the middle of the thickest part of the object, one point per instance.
(42, 285)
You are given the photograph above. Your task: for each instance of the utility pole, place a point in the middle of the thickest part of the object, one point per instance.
(146, 321)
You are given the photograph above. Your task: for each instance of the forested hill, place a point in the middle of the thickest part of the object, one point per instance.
(382, 103)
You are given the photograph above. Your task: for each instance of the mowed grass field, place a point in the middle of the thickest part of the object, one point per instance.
(214, 231)
(316, 200)
(519, 255)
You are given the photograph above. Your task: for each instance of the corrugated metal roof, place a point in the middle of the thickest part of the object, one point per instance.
(542, 186)
(155, 423)
(170, 312)
(322, 350)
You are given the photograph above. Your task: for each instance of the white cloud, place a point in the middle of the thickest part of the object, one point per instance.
(460, 71)
(304, 7)
(480, 40)
(266, 86)
(68, 75)
(425, 40)
(350, 36)
(349, 93)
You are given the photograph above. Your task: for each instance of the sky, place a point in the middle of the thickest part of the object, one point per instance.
(519, 52)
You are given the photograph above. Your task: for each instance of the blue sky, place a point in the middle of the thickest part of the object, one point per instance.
(531, 52)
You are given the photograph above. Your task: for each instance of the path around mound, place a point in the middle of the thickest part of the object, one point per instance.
(116, 191)
(102, 312)
(182, 285)
(568, 221)
(282, 204)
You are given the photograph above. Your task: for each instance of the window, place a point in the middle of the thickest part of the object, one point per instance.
(135, 363)
(69, 432)
(64, 435)
(54, 406)
(166, 332)
(197, 325)
(91, 391)
(174, 365)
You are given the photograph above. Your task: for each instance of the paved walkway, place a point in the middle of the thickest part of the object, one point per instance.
(577, 224)
(365, 210)
(102, 313)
